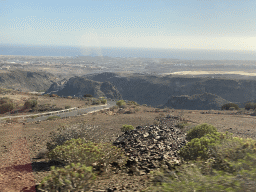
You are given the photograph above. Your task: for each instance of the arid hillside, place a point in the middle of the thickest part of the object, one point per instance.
(26, 80)
(203, 101)
(156, 90)
(79, 86)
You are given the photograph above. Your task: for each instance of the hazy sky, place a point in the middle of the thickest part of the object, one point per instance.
(197, 24)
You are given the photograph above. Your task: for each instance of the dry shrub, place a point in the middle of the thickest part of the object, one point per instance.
(99, 155)
(65, 133)
(73, 177)
(31, 103)
(229, 166)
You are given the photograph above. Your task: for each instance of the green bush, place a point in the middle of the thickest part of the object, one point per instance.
(120, 103)
(132, 103)
(87, 153)
(228, 105)
(103, 101)
(199, 147)
(249, 106)
(127, 128)
(72, 177)
(31, 103)
(200, 131)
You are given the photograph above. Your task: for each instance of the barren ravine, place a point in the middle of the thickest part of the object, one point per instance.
(16, 172)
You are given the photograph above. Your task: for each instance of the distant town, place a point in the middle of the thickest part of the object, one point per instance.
(82, 65)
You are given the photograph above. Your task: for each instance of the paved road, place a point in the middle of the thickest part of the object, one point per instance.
(64, 113)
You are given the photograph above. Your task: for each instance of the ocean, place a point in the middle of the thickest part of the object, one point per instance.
(183, 54)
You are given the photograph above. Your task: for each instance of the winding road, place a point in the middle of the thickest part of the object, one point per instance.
(63, 113)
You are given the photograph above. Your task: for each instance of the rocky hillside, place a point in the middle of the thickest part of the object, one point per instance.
(56, 86)
(80, 86)
(26, 81)
(155, 90)
(203, 101)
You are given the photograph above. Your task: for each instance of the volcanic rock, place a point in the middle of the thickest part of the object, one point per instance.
(149, 147)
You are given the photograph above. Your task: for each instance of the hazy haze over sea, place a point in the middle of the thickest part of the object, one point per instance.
(187, 54)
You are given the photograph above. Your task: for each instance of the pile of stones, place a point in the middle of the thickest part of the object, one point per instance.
(151, 147)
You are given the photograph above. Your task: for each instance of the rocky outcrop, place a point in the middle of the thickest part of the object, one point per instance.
(79, 86)
(56, 86)
(149, 147)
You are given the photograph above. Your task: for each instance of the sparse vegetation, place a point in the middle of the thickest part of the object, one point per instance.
(65, 133)
(67, 106)
(96, 102)
(34, 116)
(113, 108)
(211, 160)
(4, 91)
(53, 117)
(229, 105)
(72, 177)
(87, 153)
(249, 106)
(103, 101)
(182, 124)
(121, 103)
(200, 130)
(88, 95)
(215, 162)
(132, 103)
(137, 109)
(31, 103)
(199, 147)
(6, 105)
(127, 128)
